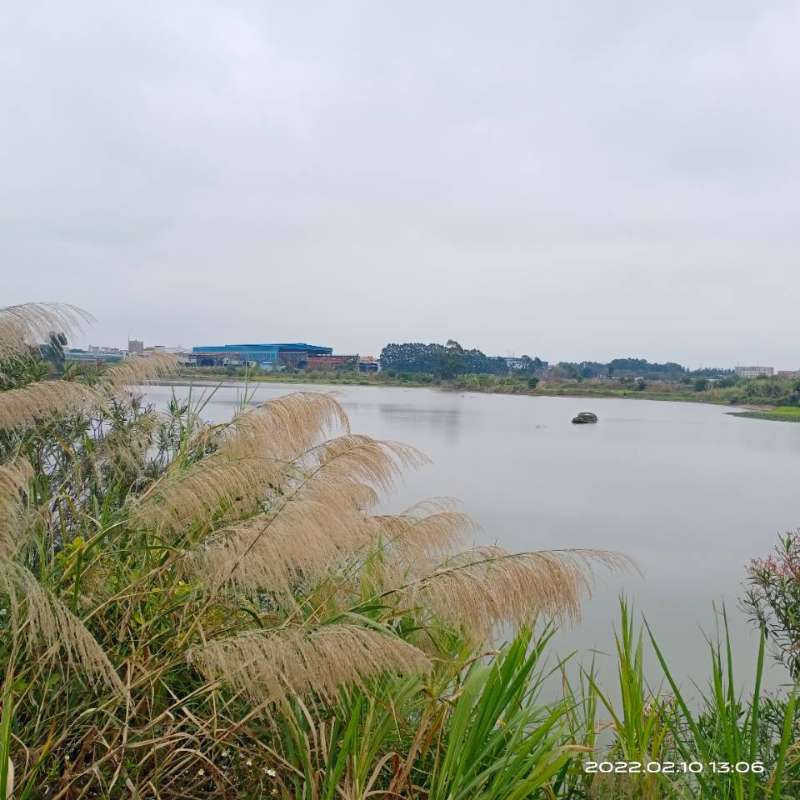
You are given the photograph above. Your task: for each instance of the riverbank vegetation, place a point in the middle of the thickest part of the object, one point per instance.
(778, 414)
(219, 611)
(450, 366)
(782, 393)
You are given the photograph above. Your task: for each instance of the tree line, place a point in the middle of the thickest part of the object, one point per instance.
(447, 360)
(451, 359)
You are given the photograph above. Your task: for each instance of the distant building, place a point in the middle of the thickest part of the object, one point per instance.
(135, 347)
(755, 372)
(93, 355)
(791, 374)
(93, 348)
(268, 356)
(518, 363)
(368, 364)
(327, 363)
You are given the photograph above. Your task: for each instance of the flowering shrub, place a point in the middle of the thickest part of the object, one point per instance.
(773, 599)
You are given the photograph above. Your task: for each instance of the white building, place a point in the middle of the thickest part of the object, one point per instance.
(755, 372)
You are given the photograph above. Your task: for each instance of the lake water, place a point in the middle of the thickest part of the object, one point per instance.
(686, 490)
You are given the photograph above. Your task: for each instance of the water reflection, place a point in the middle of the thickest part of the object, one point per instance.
(444, 422)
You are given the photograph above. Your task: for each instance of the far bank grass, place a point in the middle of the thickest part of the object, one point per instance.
(779, 414)
(485, 384)
(777, 400)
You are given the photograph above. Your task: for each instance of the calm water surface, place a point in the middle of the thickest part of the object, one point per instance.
(688, 491)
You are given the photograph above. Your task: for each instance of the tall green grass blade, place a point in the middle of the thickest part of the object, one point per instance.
(754, 714)
(786, 740)
(5, 737)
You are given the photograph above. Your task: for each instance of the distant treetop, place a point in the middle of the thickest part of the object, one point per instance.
(444, 361)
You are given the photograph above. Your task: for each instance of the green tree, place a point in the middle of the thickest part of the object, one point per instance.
(53, 351)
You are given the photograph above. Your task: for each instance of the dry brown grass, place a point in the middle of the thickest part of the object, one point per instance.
(358, 460)
(276, 552)
(200, 492)
(139, 369)
(28, 324)
(253, 460)
(40, 616)
(39, 402)
(14, 478)
(316, 523)
(427, 529)
(269, 666)
(485, 587)
(284, 428)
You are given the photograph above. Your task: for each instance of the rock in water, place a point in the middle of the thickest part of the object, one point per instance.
(584, 418)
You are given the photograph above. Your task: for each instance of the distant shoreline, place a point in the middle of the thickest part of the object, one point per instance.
(544, 389)
(743, 411)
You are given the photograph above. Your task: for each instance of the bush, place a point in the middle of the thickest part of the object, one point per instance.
(773, 599)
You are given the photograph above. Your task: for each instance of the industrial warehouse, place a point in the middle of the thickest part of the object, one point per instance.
(275, 356)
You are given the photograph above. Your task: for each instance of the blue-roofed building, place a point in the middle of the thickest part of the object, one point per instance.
(267, 356)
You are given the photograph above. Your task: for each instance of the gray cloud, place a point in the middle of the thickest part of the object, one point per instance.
(567, 179)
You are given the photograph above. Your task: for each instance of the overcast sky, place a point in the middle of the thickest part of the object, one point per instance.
(574, 180)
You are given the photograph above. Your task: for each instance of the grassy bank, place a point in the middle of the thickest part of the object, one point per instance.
(779, 414)
(489, 384)
(754, 392)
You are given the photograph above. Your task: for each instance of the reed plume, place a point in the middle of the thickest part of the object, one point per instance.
(271, 666)
(28, 324)
(485, 587)
(139, 369)
(357, 460)
(275, 552)
(199, 492)
(265, 448)
(39, 402)
(41, 616)
(284, 428)
(317, 523)
(427, 528)
(14, 478)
